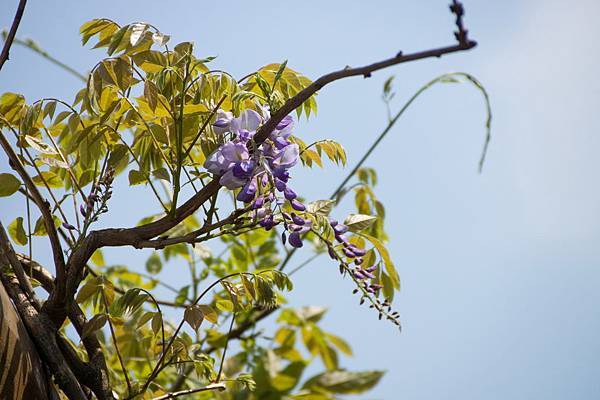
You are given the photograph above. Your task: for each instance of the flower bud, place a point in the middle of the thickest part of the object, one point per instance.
(295, 240)
(289, 193)
(296, 205)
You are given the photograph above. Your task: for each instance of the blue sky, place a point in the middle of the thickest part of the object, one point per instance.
(499, 270)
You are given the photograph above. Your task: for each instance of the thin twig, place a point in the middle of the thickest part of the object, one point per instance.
(214, 386)
(225, 349)
(11, 34)
(114, 339)
(31, 45)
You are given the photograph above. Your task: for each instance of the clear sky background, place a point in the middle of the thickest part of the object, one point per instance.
(500, 271)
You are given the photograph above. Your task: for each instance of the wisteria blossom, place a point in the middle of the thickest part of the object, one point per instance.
(261, 173)
(266, 165)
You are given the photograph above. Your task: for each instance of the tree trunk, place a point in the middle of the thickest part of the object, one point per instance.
(22, 374)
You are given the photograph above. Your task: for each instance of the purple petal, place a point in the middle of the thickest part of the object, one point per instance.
(267, 223)
(341, 238)
(295, 240)
(358, 274)
(368, 274)
(279, 184)
(348, 253)
(296, 205)
(288, 157)
(68, 226)
(230, 181)
(340, 228)
(249, 120)
(358, 251)
(297, 220)
(221, 123)
(332, 253)
(258, 203)
(288, 119)
(243, 169)
(289, 194)
(248, 192)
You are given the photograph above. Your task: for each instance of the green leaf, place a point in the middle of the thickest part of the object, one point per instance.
(340, 343)
(225, 305)
(136, 177)
(145, 318)
(40, 146)
(359, 222)
(182, 295)
(40, 226)
(248, 287)
(328, 356)
(151, 94)
(137, 30)
(279, 72)
(193, 316)
(312, 313)
(160, 39)
(10, 107)
(322, 207)
(344, 382)
(162, 173)
(209, 313)
(94, 324)
(247, 381)
(385, 255)
(89, 289)
(9, 184)
(48, 178)
(17, 232)
(98, 258)
(193, 109)
(157, 323)
(154, 264)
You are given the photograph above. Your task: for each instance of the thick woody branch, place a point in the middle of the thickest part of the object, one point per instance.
(44, 208)
(366, 71)
(12, 32)
(56, 306)
(44, 335)
(193, 236)
(95, 373)
(7, 252)
(463, 44)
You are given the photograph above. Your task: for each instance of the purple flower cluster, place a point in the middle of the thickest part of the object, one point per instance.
(96, 202)
(355, 254)
(260, 170)
(295, 226)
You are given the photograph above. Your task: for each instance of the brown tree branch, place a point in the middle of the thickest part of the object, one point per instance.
(214, 386)
(44, 208)
(93, 374)
(7, 251)
(192, 236)
(11, 34)
(43, 334)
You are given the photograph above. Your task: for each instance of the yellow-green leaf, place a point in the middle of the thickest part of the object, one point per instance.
(9, 184)
(17, 232)
(358, 222)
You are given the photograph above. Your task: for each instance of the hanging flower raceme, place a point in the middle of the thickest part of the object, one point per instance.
(261, 171)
